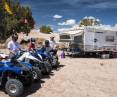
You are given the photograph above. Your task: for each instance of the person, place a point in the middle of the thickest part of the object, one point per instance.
(13, 46)
(32, 44)
(53, 45)
(52, 42)
(47, 46)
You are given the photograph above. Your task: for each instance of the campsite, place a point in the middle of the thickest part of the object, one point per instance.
(61, 48)
(77, 77)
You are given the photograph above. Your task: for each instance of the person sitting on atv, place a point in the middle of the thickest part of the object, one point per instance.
(46, 46)
(52, 53)
(13, 46)
(31, 44)
(53, 45)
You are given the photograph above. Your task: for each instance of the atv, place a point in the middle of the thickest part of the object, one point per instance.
(14, 77)
(36, 60)
(49, 56)
(35, 70)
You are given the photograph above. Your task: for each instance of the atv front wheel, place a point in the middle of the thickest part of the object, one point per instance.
(14, 88)
(36, 73)
(48, 67)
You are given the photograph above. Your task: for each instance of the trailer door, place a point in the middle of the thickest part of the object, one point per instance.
(99, 40)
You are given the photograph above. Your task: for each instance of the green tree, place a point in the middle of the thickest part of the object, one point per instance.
(20, 21)
(87, 21)
(46, 29)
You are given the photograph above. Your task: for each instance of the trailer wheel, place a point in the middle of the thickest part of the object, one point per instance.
(105, 56)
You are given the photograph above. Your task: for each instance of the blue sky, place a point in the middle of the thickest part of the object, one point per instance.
(55, 12)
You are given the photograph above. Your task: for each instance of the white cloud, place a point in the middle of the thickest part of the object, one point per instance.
(104, 5)
(106, 27)
(115, 25)
(98, 20)
(85, 17)
(92, 3)
(56, 16)
(68, 22)
(89, 17)
(61, 24)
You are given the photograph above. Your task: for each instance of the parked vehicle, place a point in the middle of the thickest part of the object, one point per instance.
(14, 77)
(90, 40)
(36, 61)
(48, 57)
(35, 70)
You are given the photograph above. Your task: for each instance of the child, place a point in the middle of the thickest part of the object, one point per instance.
(32, 44)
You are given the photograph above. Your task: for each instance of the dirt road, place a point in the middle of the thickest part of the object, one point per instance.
(78, 77)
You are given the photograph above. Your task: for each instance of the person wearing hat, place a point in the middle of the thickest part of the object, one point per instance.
(53, 45)
(13, 45)
(52, 42)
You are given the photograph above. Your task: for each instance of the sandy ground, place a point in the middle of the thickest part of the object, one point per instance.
(78, 77)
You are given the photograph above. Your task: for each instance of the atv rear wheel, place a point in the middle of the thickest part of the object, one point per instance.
(14, 88)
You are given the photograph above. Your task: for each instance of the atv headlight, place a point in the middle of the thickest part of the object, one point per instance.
(21, 72)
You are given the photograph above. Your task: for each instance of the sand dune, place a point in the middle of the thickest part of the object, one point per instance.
(36, 34)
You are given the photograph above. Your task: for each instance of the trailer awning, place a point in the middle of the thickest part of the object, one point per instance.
(65, 40)
(76, 32)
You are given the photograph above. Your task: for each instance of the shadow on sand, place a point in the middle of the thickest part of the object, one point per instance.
(32, 89)
(59, 67)
(89, 56)
(37, 85)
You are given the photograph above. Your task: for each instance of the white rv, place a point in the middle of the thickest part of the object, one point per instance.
(91, 39)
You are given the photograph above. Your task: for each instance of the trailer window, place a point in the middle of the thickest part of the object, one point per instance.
(78, 39)
(64, 37)
(110, 38)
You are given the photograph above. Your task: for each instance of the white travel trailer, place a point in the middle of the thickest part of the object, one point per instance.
(90, 39)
